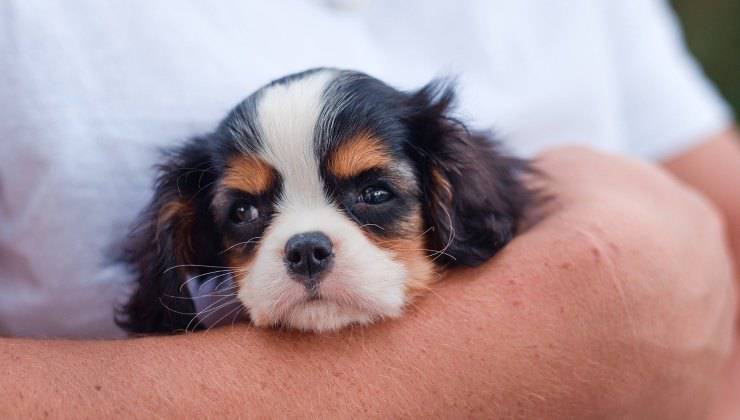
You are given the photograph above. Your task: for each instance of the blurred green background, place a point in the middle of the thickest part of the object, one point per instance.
(712, 29)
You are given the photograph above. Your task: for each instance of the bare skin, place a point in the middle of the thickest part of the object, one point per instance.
(606, 309)
(714, 169)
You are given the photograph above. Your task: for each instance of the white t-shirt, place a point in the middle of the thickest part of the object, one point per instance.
(90, 89)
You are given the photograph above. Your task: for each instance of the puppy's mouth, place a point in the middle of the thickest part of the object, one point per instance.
(322, 314)
(316, 298)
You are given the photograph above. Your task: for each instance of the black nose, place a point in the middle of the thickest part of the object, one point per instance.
(307, 255)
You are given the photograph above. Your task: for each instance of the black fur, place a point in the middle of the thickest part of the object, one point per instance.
(161, 251)
(488, 195)
(473, 194)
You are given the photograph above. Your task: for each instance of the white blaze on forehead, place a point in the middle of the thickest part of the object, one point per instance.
(287, 115)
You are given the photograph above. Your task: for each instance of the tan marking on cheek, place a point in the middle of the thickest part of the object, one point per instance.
(410, 250)
(240, 265)
(422, 272)
(248, 173)
(357, 155)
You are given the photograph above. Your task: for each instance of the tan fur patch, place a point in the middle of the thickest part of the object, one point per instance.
(171, 210)
(412, 253)
(441, 185)
(240, 265)
(357, 155)
(248, 173)
(239, 261)
(422, 272)
(179, 215)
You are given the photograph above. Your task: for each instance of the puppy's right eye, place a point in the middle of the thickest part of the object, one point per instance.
(243, 213)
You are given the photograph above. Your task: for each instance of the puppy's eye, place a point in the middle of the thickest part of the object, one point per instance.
(375, 195)
(243, 213)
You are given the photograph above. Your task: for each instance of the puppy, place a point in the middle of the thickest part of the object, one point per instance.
(326, 198)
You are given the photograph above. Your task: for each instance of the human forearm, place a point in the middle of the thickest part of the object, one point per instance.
(594, 312)
(713, 168)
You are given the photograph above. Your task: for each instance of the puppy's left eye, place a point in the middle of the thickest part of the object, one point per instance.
(375, 195)
(243, 213)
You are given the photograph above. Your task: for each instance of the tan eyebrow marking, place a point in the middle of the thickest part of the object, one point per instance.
(248, 173)
(358, 154)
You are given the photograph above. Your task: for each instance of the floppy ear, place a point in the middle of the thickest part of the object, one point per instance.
(473, 195)
(174, 236)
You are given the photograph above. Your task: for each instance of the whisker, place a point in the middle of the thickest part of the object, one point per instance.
(245, 243)
(201, 275)
(372, 225)
(198, 266)
(199, 296)
(413, 237)
(201, 319)
(218, 304)
(218, 276)
(173, 310)
(431, 251)
(452, 237)
(241, 310)
(209, 273)
(235, 310)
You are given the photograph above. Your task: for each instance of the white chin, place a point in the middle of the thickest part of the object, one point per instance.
(321, 316)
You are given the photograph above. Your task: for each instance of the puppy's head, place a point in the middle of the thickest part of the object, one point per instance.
(329, 198)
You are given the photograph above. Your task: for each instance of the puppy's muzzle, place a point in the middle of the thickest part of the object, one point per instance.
(307, 256)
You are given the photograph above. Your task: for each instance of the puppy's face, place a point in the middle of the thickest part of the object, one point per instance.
(330, 197)
(320, 208)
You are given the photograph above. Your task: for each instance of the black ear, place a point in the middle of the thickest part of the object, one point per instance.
(473, 194)
(173, 237)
